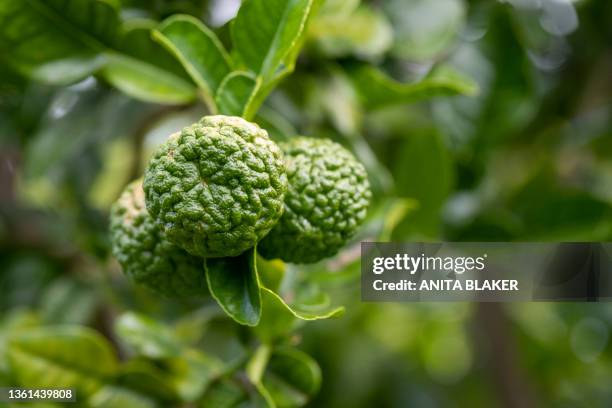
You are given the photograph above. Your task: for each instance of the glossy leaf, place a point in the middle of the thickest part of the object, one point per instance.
(292, 377)
(198, 49)
(65, 41)
(57, 41)
(271, 272)
(145, 70)
(234, 284)
(338, 7)
(68, 70)
(146, 336)
(266, 34)
(60, 357)
(236, 94)
(278, 318)
(377, 89)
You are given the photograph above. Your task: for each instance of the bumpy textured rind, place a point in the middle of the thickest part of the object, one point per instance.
(217, 187)
(327, 200)
(146, 256)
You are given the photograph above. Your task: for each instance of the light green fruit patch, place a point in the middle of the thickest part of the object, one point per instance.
(217, 187)
(144, 253)
(326, 201)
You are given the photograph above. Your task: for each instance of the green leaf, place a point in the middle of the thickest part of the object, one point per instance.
(365, 33)
(224, 393)
(138, 80)
(278, 127)
(236, 392)
(395, 211)
(60, 357)
(145, 70)
(424, 29)
(15, 321)
(67, 70)
(338, 7)
(191, 327)
(146, 336)
(278, 318)
(236, 94)
(188, 371)
(198, 49)
(549, 210)
(378, 90)
(258, 362)
(146, 378)
(423, 172)
(192, 372)
(112, 396)
(62, 41)
(66, 301)
(35, 404)
(292, 377)
(43, 37)
(271, 272)
(234, 284)
(267, 33)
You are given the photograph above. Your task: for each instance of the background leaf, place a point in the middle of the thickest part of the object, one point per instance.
(364, 33)
(236, 392)
(192, 372)
(377, 89)
(146, 378)
(424, 172)
(234, 284)
(65, 41)
(292, 377)
(563, 214)
(70, 33)
(146, 336)
(112, 396)
(68, 302)
(424, 29)
(11, 324)
(60, 357)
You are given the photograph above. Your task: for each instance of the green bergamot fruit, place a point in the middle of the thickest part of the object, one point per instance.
(327, 199)
(217, 187)
(144, 253)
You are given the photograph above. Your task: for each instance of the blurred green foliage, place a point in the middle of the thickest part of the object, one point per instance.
(476, 120)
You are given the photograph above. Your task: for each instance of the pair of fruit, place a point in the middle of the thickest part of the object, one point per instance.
(221, 186)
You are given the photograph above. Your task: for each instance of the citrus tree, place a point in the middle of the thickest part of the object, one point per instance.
(223, 217)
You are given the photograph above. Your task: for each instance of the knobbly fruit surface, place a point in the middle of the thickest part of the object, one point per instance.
(217, 187)
(144, 253)
(326, 201)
